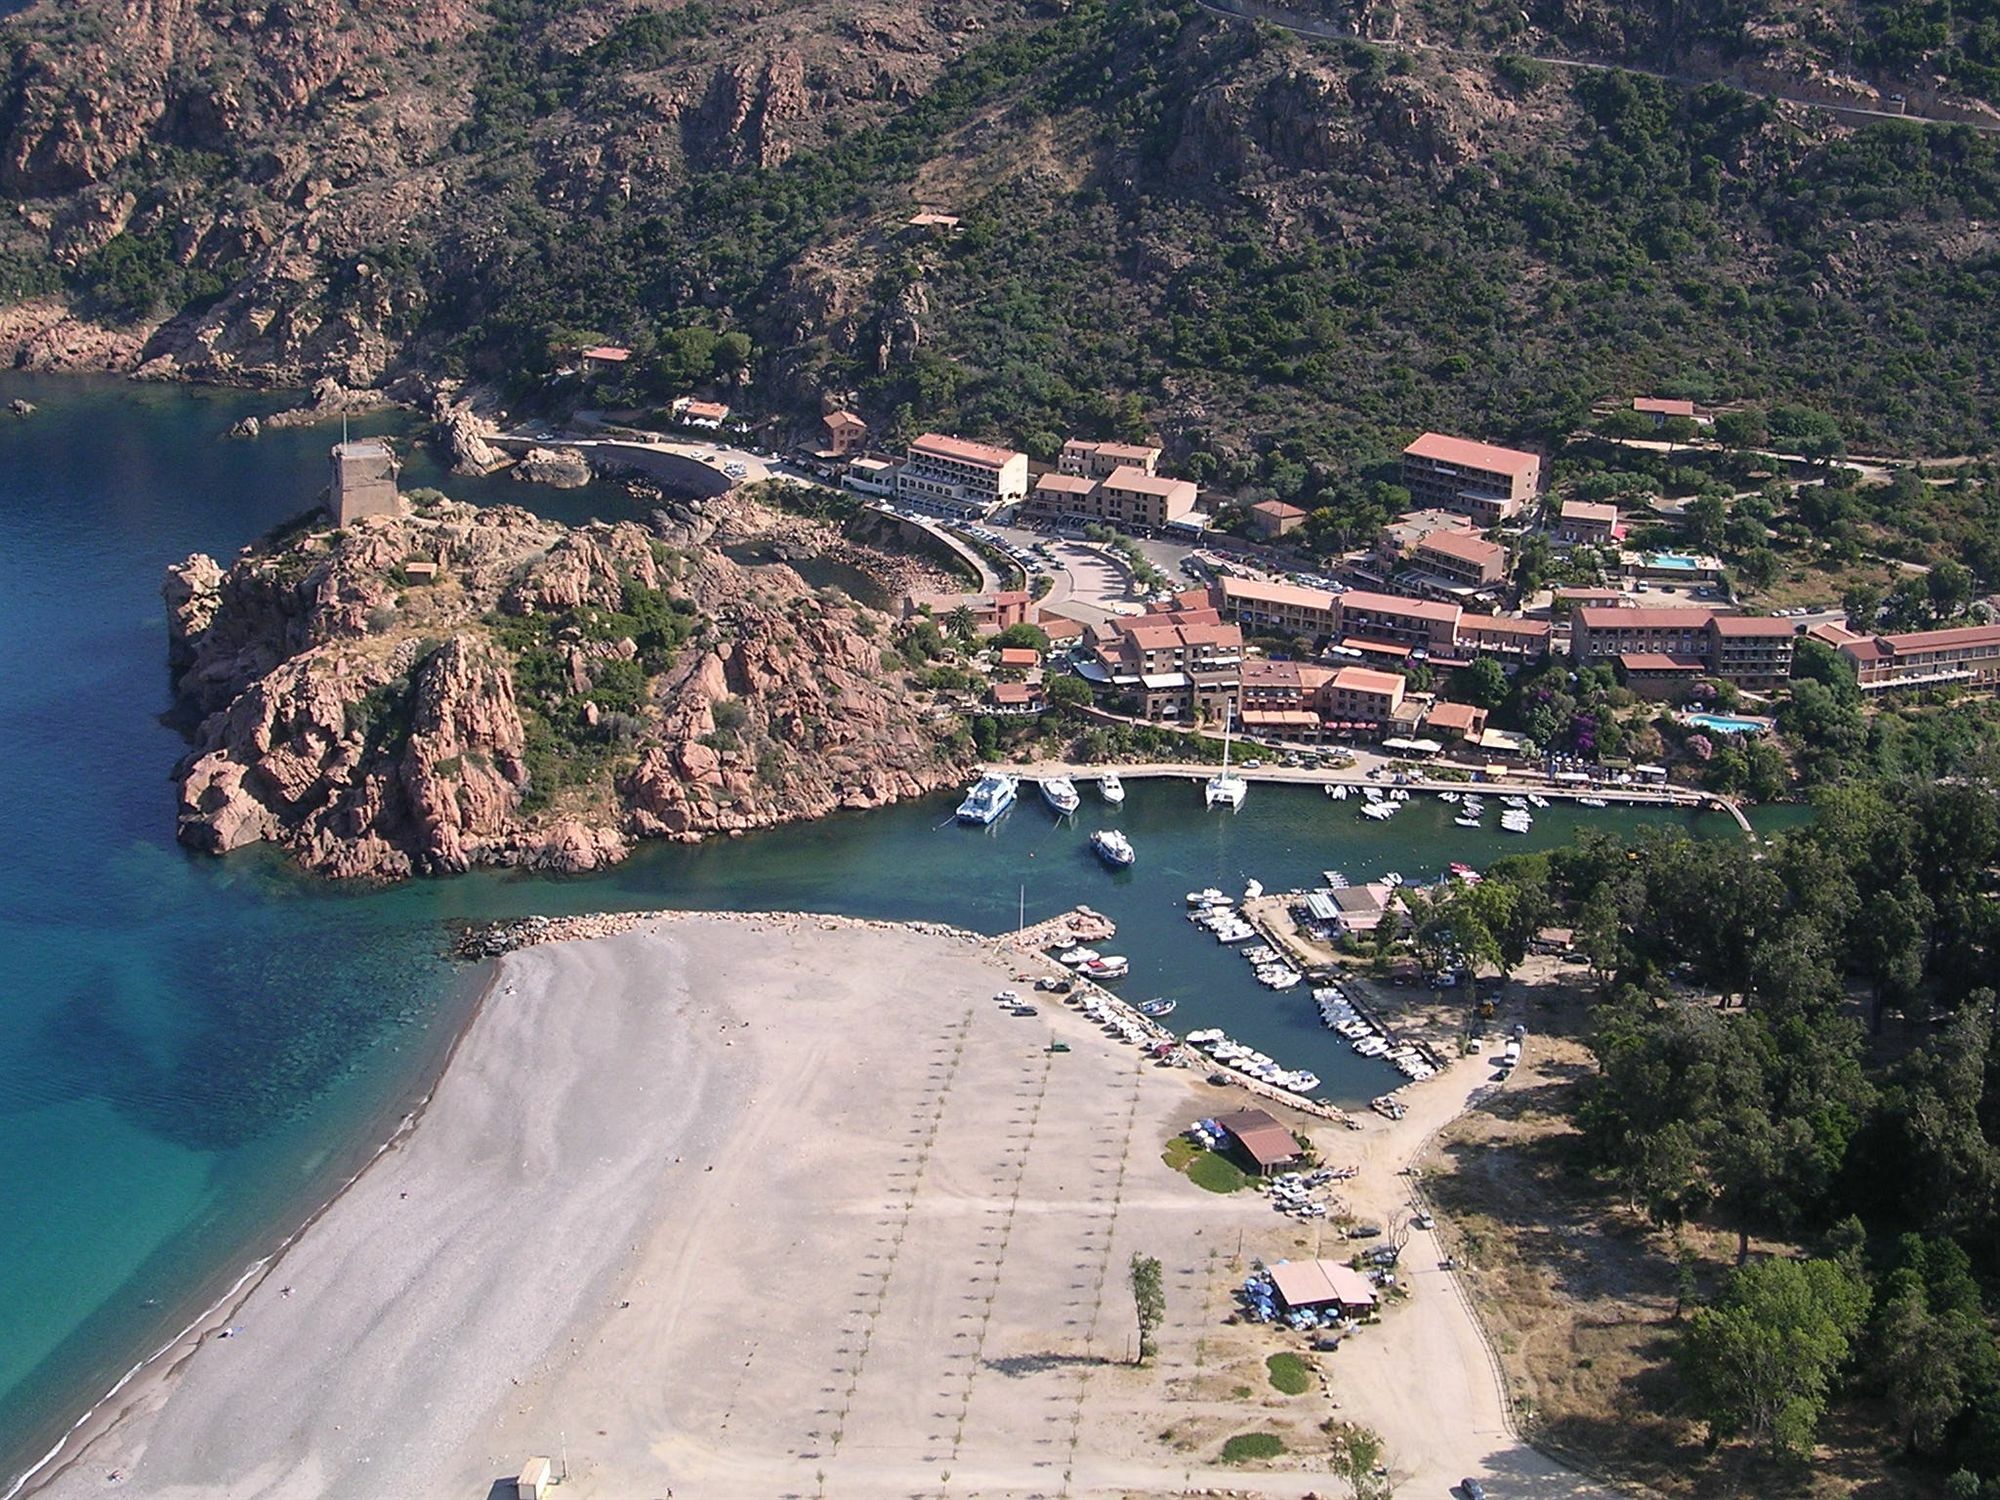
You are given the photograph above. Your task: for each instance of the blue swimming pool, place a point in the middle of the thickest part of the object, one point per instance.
(1676, 562)
(1728, 723)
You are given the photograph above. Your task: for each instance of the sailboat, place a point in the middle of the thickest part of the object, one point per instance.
(1222, 787)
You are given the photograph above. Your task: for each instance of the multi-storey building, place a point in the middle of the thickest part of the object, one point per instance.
(1962, 654)
(1488, 483)
(1358, 696)
(1130, 496)
(1397, 542)
(1507, 637)
(1466, 560)
(1413, 624)
(959, 477)
(1752, 651)
(1587, 523)
(1087, 460)
(1277, 608)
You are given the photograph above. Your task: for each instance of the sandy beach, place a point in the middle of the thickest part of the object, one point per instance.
(762, 1207)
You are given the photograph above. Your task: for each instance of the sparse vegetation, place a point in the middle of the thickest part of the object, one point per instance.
(1252, 1447)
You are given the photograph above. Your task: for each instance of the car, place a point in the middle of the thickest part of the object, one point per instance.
(1473, 1489)
(1008, 997)
(1364, 1231)
(1424, 1221)
(1253, 765)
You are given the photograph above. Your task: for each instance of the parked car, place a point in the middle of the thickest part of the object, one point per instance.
(1472, 1489)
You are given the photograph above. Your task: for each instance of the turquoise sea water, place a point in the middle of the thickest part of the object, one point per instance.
(196, 1051)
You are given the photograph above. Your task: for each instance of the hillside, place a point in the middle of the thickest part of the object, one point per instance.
(1281, 253)
(457, 686)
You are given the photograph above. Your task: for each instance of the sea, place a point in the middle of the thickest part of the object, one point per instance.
(199, 1051)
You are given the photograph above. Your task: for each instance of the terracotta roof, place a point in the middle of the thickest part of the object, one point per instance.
(1065, 484)
(1467, 454)
(1259, 672)
(938, 445)
(1365, 680)
(1464, 546)
(1267, 1142)
(1258, 592)
(1390, 604)
(1463, 717)
(844, 421)
(1589, 510)
(1663, 406)
(1939, 640)
(1753, 625)
(1056, 628)
(1656, 661)
(1131, 477)
(1383, 648)
(1277, 510)
(1137, 453)
(610, 354)
(1501, 625)
(1019, 656)
(712, 409)
(1013, 692)
(1598, 617)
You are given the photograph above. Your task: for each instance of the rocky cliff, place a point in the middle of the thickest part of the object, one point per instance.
(460, 686)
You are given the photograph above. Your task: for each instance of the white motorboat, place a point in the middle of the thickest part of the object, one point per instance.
(1110, 966)
(1076, 958)
(1538, 801)
(1371, 794)
(1113, 848)
(1337, 791)
(1223, 789)
(1208, 896)
(1378, 810)
(1060, 793)
(1252, 889)
(1591, 802)
(988, 798)
(1111, 789)
(1467, 822)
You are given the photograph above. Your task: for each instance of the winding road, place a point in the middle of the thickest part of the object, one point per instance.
(1284, 20)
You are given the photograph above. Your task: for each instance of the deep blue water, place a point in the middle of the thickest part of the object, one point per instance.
(197, 1050)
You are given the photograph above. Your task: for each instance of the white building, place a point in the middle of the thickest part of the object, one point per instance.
(959, 477)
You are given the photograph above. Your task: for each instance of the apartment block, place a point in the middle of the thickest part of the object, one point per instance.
(961, 477)
(1968, 655)
(1464, 559)
(1129, 496)
(1587, 523)
(1488, 483)
(1277, 608)
(1360, 697)
(1507, 637)
(1752, 651)
(1413, 624)
(1087, 460)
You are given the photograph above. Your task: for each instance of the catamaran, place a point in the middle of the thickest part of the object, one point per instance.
(1222, 787)
(989, 797)
(1111, 789)
(1060, 793)
(1113, 848)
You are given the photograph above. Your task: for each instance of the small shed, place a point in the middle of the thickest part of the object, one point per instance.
(537, 1479)
(1266, 1143)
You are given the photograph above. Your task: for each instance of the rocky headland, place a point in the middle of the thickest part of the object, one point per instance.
(456, 685)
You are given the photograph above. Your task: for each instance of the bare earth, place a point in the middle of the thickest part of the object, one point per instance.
(789, 1207)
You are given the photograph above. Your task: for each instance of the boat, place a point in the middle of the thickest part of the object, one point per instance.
(1110, 966)
(1538, 801)
(1447, 796)
(1209, 896)
(988, 798)
(1157, 1008)
(1591, 802)
(1111, 789)
(1467, 822)
(1113, 848)
(1076, 958)
(1336, 880)
(1252, 889)
(1224, 789)
(1517, 821)
(1338, 791)
(1371, 794)
(1378, 810)
(1060, 793)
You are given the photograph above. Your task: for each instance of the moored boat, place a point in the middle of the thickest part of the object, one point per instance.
(1156, 1008)
(1111, 789)
(1060, 793)
(988, 798)
(1113, 848)
(1110, 966)
(1223, 789)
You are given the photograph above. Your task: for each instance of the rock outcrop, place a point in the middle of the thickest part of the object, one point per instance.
(562, 468)
(544, 697)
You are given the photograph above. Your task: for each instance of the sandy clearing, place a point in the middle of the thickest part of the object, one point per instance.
(768, 1207)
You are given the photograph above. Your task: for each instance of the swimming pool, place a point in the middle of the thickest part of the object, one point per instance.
(1728, 723)
(1673, 562)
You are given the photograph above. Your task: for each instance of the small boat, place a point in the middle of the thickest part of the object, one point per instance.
(1252, 889)
(1113, 848)
(1110, 966)
(1536, 800)
(1157, 1008)
(1467, 822)
(1336, 880)
(1076, 958)
(1060, 793)
(1371, 794)
(1447, 796)
(1591, 802)
(1378, 810)
(1337, 791)
(1111, 789)
(1209, 896)
(988, 798)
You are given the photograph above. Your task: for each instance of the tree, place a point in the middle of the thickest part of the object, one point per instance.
(1067, 692)
(1762, 1361)
(1483, 682)
(1862, 604)
(1741, 429)
(1032, 637)
(1706, 515)
(1149, 1302)
(1758, 567)
(1949, 585)
(960, 622)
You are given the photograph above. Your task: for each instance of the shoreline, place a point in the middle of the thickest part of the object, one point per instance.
(550, 1266)
(147, 1376)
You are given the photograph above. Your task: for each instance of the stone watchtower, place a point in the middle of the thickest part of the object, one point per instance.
(364, 481)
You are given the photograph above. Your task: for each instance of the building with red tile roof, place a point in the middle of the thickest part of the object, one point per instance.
(1489, 483)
